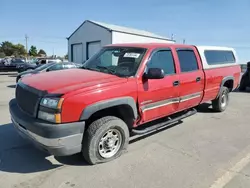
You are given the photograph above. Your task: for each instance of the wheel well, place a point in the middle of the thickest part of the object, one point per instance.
(229, 84)
(124, 112)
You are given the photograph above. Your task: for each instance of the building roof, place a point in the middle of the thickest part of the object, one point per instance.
(122, 29)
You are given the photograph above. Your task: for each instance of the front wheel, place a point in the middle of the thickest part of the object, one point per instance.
(220, 104)
(105, 139)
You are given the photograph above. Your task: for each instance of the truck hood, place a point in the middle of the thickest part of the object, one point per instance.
(65, 81)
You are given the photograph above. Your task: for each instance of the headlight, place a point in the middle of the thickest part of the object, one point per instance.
(55, 118)
(50, 109)
(51, 102)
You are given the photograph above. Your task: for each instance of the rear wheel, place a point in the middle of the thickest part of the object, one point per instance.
(105, 139)
(220, 104)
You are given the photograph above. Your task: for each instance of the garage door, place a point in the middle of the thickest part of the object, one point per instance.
(92, 48)
(77, 53)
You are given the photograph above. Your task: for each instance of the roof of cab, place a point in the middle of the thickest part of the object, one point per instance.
(150, 45)
(159, 45)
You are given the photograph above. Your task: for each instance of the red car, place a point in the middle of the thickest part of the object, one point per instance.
(121, 90)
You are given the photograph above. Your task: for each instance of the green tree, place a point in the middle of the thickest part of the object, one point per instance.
(2, 54)
(33, 51)
(19, 50)
(10, 49)
(7, 48)
(66, 56)
(41, 52)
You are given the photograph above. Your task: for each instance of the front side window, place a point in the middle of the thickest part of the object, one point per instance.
(120, 61)
(187, 59)
(163, 59)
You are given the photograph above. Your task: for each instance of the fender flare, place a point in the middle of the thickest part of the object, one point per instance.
(91, 109)
(223, 82)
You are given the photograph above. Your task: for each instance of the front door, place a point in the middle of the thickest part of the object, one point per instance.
(191, 77)
(158, 97)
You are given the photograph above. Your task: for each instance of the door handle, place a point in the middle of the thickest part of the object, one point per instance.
(176, 83)
(198, 79)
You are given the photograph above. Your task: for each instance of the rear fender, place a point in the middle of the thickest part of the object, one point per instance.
(227, 78)
(91, 109)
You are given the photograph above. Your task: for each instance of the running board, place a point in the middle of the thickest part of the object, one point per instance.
(164, 124)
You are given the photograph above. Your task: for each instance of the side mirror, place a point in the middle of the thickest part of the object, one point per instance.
(154, 73)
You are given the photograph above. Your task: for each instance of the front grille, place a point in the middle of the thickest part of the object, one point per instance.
(27, 99)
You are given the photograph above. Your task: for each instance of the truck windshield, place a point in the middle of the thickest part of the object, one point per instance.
(120, 61)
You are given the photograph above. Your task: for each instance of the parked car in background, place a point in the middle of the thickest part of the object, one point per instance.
(245, 78)
(26, 66)
(11, 65)
(48, 60)
(120, 91)
(47, 68)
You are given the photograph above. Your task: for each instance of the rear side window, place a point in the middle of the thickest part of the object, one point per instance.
(187, 59)
(215, 57)
(163, 59)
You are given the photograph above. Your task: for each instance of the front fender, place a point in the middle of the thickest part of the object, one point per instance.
(91, 109)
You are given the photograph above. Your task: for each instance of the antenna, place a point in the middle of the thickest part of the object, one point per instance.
(172, 36)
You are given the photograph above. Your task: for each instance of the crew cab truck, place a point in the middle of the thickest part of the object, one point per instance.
(122, 88)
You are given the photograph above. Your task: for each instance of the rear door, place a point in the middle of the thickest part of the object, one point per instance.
(191, 77)
(158, 97)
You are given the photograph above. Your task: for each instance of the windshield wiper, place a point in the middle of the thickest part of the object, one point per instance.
(87, 68)
(106, 68)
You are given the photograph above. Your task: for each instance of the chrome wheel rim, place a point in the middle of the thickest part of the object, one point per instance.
(223, 99)
(110, 143)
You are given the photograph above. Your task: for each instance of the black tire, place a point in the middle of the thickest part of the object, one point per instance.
(242, 88)
(96, 131)
(220, 104)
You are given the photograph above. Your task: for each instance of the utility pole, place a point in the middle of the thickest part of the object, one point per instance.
(26, 40)
(172, 36)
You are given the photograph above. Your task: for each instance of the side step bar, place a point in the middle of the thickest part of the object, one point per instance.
(164, 124)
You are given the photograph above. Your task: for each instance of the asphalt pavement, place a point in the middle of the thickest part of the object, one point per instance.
(206, 150)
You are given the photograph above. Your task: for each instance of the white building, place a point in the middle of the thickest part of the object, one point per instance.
(90, 36)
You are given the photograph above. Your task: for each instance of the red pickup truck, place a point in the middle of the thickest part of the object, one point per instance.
(121, 90)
